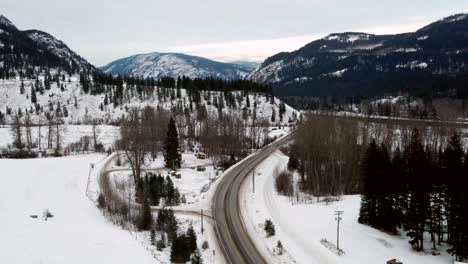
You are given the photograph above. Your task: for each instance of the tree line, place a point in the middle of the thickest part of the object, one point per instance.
(418, 190)
(328, 149)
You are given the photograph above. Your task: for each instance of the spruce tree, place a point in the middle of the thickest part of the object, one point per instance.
(172, 156)
(161, 244)
(273, 115)
(152, 237)
(457, 202)
(279, 248)
(386, 215)
(145, 218)
(399, 186)
(22, 90)
(269, 228)
(179, 249)
(33, 95)
(419, 188)
(369, 171)
(191, 239)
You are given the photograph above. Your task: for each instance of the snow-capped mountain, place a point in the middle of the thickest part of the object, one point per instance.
(157, 65)
(48, 42)
(356, 63)
(23, 52)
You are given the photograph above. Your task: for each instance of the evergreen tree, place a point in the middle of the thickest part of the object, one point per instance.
(419, 188)
(152, 237)
(145, 217)
(269, 228)
(457, 199)
(47, 83)
(22, 90)
(191, 239)
(369, 171)
(179, 249)
(172, 155)
(33, 95)
(279, 248)
(273, 115)
(399, 186)
(161, 244)
(101, 201)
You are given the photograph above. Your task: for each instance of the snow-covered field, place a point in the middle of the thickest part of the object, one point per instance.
(300, 227)
(78, 232)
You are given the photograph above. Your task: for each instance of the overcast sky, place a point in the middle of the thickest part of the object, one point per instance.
(225, 30)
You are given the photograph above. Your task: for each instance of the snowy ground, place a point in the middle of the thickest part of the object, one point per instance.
(195, 185)
(78, 232)
(300, 227)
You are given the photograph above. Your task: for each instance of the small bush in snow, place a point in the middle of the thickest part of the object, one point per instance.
(161, 244)
(269, 228)
(279, 248)
(101, 201)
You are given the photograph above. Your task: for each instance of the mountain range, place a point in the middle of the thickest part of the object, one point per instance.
(156, 65)
(25, 51)
(340, 64)
(356, 63)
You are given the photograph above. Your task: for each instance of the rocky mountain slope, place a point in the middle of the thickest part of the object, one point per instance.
(157, 65)
(355, 63)
(26, 53)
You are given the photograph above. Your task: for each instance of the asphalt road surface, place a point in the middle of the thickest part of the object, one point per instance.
(233, 239)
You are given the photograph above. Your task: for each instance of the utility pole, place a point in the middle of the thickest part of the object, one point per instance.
(253, 180)
(201, 221)
(338, 219)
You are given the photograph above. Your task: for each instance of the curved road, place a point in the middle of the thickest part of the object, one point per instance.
(232, 237)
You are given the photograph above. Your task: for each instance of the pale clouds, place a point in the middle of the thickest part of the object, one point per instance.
(258, 50)
(105, 30)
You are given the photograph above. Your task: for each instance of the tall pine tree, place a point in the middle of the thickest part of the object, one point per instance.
(419, 189)
(172, 156)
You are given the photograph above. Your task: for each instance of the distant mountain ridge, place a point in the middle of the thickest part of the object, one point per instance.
(156, 65)
(356, 63)
(21, 52)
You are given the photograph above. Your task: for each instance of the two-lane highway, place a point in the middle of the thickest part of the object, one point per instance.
(233, 239)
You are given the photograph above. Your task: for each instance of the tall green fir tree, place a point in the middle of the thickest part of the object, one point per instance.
(457, 198)
(172, 156)
(33, 95)
(419, 190)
